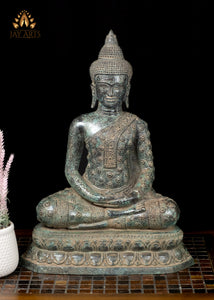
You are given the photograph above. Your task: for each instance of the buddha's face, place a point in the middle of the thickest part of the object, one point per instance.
(110, 89)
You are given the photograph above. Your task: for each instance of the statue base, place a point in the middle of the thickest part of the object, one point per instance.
(106, 252)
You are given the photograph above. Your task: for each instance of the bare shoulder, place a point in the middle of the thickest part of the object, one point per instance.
(81, 121)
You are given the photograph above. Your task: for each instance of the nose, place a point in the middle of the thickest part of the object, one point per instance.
(110, 91)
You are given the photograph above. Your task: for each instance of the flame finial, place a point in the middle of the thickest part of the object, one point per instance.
(111, 38)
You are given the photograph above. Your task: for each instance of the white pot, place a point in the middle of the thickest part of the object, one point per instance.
(9, 255)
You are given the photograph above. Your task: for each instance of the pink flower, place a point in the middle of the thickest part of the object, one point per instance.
(4, 173)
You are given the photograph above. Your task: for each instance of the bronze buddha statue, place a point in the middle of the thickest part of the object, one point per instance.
(115, 191)
(116, 188)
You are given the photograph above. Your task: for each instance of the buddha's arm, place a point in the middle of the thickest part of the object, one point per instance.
(73, 157)
(145, 158)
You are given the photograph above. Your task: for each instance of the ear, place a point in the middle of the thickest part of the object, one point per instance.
(126, 97)
(94, 96)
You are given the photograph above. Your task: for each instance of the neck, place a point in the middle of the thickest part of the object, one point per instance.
(111, 111)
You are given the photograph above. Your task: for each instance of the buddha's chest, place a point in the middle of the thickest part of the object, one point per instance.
(112, 154)
(110, 148)
(111, 161)
(106, 142)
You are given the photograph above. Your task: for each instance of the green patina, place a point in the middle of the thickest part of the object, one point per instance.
(115, 191)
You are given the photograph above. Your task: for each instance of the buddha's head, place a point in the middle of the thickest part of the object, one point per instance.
(110, 75)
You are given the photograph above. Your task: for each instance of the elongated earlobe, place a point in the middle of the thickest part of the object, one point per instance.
(126, 100)
(94, 97)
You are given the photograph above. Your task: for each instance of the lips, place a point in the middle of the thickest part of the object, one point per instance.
(111, 99)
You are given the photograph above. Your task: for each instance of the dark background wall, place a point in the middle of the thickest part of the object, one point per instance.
(45, 83)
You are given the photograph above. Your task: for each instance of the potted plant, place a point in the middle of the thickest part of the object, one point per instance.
(9, 256)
